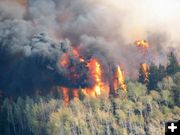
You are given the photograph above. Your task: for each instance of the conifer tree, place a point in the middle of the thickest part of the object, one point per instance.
(153, 77)
(142, 76)
(161, 72)
(173, 66)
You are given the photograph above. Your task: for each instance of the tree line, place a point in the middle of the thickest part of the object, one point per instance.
(142, 111)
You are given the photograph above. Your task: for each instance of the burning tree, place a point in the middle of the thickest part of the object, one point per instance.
(144, 71)
(143, 74)
(99, 86)
(119, 82)
(95, 81)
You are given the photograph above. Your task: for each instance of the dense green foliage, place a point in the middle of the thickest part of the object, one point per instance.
(157, 73)
(143, 111)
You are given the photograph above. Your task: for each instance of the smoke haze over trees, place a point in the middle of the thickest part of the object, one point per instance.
(88, 67)
(27, 53)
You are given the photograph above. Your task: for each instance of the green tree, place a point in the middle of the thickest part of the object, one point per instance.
(142, 77)
(161, 72)
(155, 95)
(176, 78)
(176, 88)
(167, 98)
(173, 66)
(136, 90)
(153, 77)
(166, 84)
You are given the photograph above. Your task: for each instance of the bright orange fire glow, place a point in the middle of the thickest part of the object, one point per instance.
(142, 43)
(99, 87)
(77, 55)
(64, 62)
(65, 92)
(119, 81)
(88, 92)
(145, 71)
(96, 72)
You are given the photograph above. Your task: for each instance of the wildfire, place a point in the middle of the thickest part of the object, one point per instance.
(145, 71)
(119, 81)
(96, 75)
(99, 86)
(88, 92)
(64, 62)
(77, 55)
(142, 43)
(75, 94)
(65, 92)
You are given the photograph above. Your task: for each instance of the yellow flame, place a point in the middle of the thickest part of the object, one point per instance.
(121, 78)
(145, 71)
(99, 87)
(142, 43)
(97, 78)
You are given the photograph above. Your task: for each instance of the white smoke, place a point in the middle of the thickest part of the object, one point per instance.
(108, 26)
(113, 26)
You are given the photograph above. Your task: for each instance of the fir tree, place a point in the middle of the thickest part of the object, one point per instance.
(172, 66)
(142, 77)
(153, 77)
(161, 72)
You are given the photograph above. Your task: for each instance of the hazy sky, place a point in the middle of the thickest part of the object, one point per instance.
(145, 15)
(109, 25)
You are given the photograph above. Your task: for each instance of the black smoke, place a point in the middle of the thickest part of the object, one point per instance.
(32, 40)
(35, 66)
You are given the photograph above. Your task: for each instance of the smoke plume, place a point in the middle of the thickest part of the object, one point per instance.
(35, 34)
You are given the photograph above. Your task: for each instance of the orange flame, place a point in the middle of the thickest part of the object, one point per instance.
(77, 55)
(75, 94)
(88, 92)
(145, 71)
(96, 73)
(142, 43)
(64, 61)
(65, 92)
(99, 87)
(119, 81)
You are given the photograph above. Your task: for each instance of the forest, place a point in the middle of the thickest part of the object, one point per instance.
(89, 67)
(143, 109)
